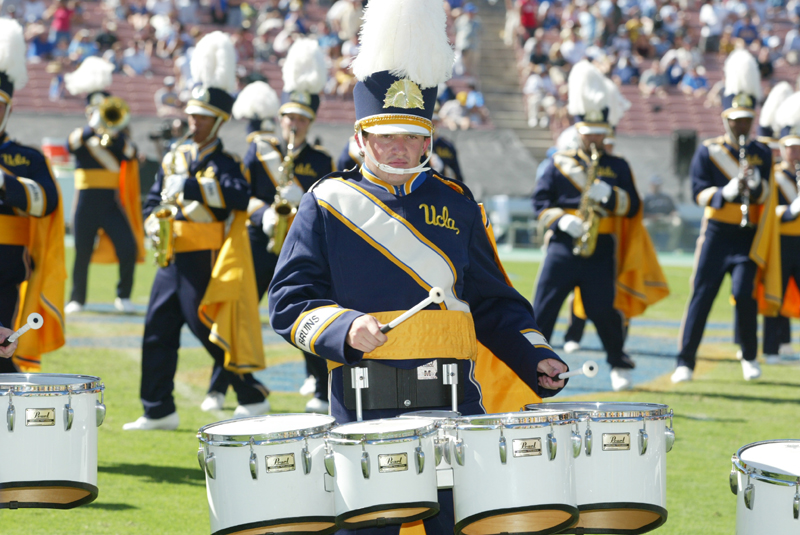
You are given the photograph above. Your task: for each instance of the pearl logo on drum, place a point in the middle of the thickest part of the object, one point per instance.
(40, 417)
(527, 447)
(280, 463)
(396, 462)
(616, 441)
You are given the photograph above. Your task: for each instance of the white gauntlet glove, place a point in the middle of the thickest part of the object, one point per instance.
(731, 190)
(173, 185)
(599, 192)
(151, 226)
(292, 193)
(268, 221)
(794, 208)
(753, 178)
(571, 224)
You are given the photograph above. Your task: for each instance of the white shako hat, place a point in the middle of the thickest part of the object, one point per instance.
(742, 85)
(213, 67)
(767, 117)
(404, 56)
(588, 98)
(92, 77)
(13, 72)
(787, 120)
(304, 77)
(258, 104)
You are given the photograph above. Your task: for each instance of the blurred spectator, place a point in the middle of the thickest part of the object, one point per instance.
(513, 29)
(621, 42)
(712, 17)
(538, 55)
(344, 18)
(672, 68)
(527, 16)
(60, 14)
(547, 17)
(468, 40)
(116, 56)
(453, 114)
(625, 72)
(136, 61)
(556, 57)
(107, 37)
(39, 48)
(765, 65)
(791, 44)
(161, 7)
(670, 20)
(572, 47)
(137, 14)
(235, 14)
(445, 93)
(187, 11)
(793, 10)
(727, 43)
(325, 37)
(56, 90)
(745, 30)
(475, 106)
(168, 104)
(33, 10)
(653, 81)
(82, 46)
(541, 94)
(694, 82)
(243, 44)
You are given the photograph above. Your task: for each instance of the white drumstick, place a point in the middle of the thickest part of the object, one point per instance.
(35, 321)
(436, 296)
(589, 369)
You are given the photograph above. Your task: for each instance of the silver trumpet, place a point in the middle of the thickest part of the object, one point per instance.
(744, 187)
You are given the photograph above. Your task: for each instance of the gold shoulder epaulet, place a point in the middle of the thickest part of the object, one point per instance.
(714, 141)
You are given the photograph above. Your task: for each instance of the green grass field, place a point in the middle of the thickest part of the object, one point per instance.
(150, 482)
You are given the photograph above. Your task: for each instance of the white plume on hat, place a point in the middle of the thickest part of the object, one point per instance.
(788, 113)
(304, 68)
(214, 62)
(256, 101)
(94, 74)
(742, 74)
(12, 52)
(617, 104)
(408, 38)
(587, 89)
(779, 93)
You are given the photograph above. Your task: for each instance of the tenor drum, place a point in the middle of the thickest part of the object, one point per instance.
(385, 472)
(766, 480)
(49, 440)
(266, 474)
(513, 473)
(621, 473)
(445, 431)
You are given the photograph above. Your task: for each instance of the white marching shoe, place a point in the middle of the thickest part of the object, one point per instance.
(251, 409)
(739, 354)
(571, 347)
(73, 307)
(682, 374)
(167, 423)
(621, 379)
(213, 402)
(317, 405)
(772, 359)
(786, 350)
(751, 370)
(309, 386)
(124, 305)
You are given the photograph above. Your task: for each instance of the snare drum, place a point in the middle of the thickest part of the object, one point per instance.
(445, 431)
(621, 473)
(49, 440)
(268, 472)
(513, 473)
(766, 480)
(385, 472)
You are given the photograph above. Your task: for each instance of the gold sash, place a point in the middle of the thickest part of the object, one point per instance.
(191, 236)
(96, 179)
(14, 230)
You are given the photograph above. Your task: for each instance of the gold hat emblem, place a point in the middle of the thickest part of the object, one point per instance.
(301, 97)
(201, 93)
(404, 94)
(594, 116)
(742, 100)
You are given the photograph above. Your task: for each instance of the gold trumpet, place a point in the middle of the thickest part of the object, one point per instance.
(114, 115)
(164, 239)
(283, 208)
(585, 244)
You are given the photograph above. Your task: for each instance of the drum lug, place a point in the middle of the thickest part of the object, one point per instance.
(365, 464)
(100, 409)
(211, 465)
(11, 412)
(330, 466)
(458, 450)
(201, 458)
(670, 436)
(446, 451)
(438, 450)
(576, 444)
(588, 442)
(552, 446)
(734, 481)
(69, 416)
(796, 502)
(749, 496)
(306, 461)
(419, 459)
(642, 442)
(503, 448)
(253, 460)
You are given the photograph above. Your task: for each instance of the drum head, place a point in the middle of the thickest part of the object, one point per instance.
(779, 457)
(601, 409)
(490, 421)
(46, 382)
(266, 428)
(434, 415)
(387, 428)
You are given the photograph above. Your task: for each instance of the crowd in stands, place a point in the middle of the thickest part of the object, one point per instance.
(165, 31)
(661, 46)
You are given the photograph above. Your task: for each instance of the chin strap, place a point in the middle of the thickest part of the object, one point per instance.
(6, 115)
(395, 170)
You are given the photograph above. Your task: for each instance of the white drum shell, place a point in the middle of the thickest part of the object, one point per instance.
(518, 483)
(50, 453)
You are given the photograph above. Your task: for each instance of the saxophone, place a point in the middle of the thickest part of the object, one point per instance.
(744, 188)
(283, 208)
(164, 240)
(585, 244)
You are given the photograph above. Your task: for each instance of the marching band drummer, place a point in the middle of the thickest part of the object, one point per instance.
(108, 201)
(734, 183)
(209, 284)
(623, 251)
(32, 271)
(370, 243)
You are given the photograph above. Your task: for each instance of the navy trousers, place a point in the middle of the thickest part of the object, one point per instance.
(174, 299)
(562, 271)
(575, 325)
(9, 298)
(96, 209)
(721, 248)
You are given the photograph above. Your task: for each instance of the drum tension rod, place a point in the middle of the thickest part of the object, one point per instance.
(450, 377)
(360, 379)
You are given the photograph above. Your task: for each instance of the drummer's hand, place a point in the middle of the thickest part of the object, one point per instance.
(7, 351)
(549, 370)
(365, 334)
